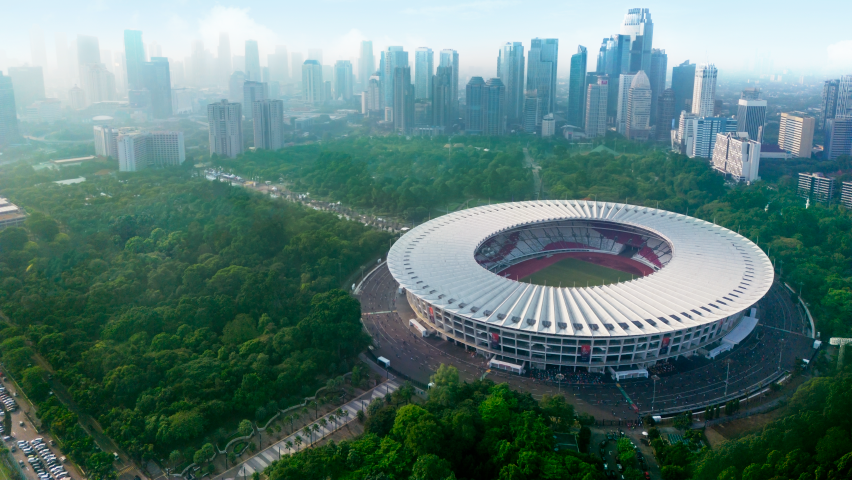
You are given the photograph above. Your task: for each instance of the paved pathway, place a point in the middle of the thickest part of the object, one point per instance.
(265, 457)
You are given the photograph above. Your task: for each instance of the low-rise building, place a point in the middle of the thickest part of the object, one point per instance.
(816, 187)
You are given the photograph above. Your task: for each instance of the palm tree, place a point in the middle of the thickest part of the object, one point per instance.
(305, 410)
(332, 417)
(316, 404)
(289, 446)
(323, 422)
(315, 428)
(295, 416)
(309, 432)
(298, 440)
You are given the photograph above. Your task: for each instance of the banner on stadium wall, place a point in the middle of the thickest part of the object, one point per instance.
(495, 340)
(664, 347)
(431, 314)
(585, 353)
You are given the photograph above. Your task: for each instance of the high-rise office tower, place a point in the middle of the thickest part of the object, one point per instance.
(541, 73)
(77, 98)
(494, 107)
(312, 88)
(343, 80)
(510, 69)
(704, 91)
(140, 150)
(828, 107)
(403, 100)
(225, 122)
(156, 78)
(751, 117)
(199, 64)
(639, 28)
(442, 94)
(657, 77)
(8, 113)
(98, 83)
(296, 62)
(223, 62)
(577, 87)
(683, 83)
(838, 137)
(394, 57)
(371, 97)
(38, 53)
(366, 62)
(639, 98)
(696, 136)
(450, 58)
(624, 82)
(596, 112)
(268, 124)
(796, 133)
(735, 154)
(88, 52)
(315, 54)
(278, 69)
(424, 68)
(665, 115)
(252, 61)
(235, 86)
(29, 85)
(134, 56)
(64, 76)
(106, 141)
(532, 111)
(474, 121)
(253, 92)
(844, 97)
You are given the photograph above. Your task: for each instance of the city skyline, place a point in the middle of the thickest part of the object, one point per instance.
(175, 26)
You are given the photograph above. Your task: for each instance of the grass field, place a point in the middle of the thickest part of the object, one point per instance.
(571, 272)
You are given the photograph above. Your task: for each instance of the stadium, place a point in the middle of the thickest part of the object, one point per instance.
(502, 280)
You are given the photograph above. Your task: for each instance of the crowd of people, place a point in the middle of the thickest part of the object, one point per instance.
(548, 377)
(662, 369)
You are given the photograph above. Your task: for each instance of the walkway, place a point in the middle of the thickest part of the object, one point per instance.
(535, 171)
(265, 457)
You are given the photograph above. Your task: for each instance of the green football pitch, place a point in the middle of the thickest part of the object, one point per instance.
(571, 272)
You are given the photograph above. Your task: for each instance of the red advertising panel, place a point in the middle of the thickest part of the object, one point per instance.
(664, 348)
(585, 353)
(495, 340)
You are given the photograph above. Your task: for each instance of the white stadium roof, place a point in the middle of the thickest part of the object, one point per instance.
(713, 273)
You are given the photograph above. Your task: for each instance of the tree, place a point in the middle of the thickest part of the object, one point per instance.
(204, 454)
(174, 459)
(445, 383)
(584, 439)
(297, 440)
(431, 467)
(245, 428)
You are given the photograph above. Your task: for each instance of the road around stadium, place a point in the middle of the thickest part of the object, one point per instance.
(776, 344)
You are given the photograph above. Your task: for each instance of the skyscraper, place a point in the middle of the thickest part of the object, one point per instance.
(639, 28)
(475, 123)
(751, 117)
(596, 113)
(736, 155)
(134, 56)
(223, 62)
(450, 58)
(704, 91)
(624, 81)
(343, 80)
(577, 87)
(225, 123)
(366, 63)
(252, 62)
(371, 97)
(424, 68)
(838, 137)
(98, 83)
(403, 100)
(254, 92)
(665, 115)
(683, 83)
(156, 78)
(235, 86)
(106, 141)
(394, 57)
(442, 93)
(657, 77)
(844, 97)
(8, 114)
(828, 107)
(88, 50)
(510, 69)
(140, 150)
(541, 73)
(268, 124)
(638, 121)
(312, 82)
(494, 107)
(29, 85)
(532, 111)
(796, 133)
(278, 69)
(296, 62)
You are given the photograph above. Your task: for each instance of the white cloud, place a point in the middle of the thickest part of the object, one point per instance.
(840, 52)
(240, 27)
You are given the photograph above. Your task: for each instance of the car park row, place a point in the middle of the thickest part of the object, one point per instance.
(42, 460)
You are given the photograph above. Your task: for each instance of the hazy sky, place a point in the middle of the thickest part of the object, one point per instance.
(814, 38)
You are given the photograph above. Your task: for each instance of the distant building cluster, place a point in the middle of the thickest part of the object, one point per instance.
(138, 149)
(10, 214)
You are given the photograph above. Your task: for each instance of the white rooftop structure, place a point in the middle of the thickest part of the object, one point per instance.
(702, 278)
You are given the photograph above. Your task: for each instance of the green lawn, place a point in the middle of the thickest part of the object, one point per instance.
(571, 272)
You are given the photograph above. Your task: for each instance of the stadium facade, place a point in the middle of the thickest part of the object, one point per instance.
(687, 283)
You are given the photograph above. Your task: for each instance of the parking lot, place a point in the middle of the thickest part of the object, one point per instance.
(36, 453)
(604, 443)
